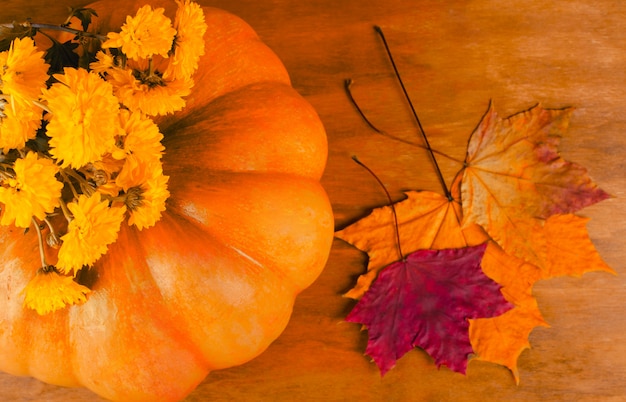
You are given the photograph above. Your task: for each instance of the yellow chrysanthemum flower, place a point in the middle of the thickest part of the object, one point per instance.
(157, 97)
(18, 124)
(142, 137)
(83, 121)
(49, 291)
(34, 191)
(133, 173)
(23, 71)
(146, 200)
(139, 147)
(189, 41)
(104, 62)
(94, 226)
(146, 34)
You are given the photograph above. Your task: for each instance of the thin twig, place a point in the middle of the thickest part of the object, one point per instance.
(42, 255)
(417, 120)
(393, 209)
(63, 29)
(348, 85)
(66, 212)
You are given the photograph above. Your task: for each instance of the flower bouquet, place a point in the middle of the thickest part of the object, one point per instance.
(145, 245)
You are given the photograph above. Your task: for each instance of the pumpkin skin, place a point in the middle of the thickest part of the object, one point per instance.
(247, 227)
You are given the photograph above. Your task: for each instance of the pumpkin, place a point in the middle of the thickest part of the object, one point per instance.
(247, 227)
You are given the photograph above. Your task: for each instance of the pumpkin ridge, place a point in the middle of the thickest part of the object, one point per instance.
(124, 300)
(264, 127)
(269, 212)
(141, 256)
(41, 360)
(242, 290)
(199, 114)
(234, 57)
(196, 222)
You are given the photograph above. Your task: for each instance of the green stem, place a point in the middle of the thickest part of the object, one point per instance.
(47, 221)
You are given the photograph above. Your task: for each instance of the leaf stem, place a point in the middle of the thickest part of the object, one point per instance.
(393, 208)
(417, 120)
(348, 85)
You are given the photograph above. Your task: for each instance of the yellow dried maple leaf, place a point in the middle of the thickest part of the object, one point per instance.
(515, 179)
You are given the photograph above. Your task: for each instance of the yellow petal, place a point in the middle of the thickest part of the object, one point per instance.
(49, 291)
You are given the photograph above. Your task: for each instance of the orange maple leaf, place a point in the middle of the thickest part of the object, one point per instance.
(569, 248)
(515, 179)
(502, 339)
(428, 220)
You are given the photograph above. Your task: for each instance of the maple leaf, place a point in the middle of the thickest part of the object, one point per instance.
(425, 300)
(61, 55)
(502, 339)
(515, 179)
(569, 248)
(426, 220)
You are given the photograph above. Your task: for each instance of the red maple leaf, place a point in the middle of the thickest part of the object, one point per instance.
(425, 300)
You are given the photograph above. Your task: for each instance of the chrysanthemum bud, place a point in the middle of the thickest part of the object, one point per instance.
(53, 240)
(100, 177)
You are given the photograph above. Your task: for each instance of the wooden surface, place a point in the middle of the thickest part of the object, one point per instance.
(454, 56)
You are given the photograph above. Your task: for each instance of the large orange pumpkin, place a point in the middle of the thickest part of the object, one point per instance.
(247, 227)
